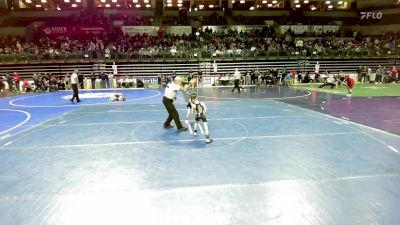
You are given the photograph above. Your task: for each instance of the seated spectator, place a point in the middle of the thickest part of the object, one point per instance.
(26, 86)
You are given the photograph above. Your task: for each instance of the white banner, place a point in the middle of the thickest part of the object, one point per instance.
(331, 28)
(300, 29)
(297, 29)
(178, 30)
(132, 30)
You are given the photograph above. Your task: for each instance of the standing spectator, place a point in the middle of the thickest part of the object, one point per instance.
(74, 84)
(379, 74)
(103, 77)
(107, 81)
(93, 80)
(2, 85)
(80, 79)
(10, 83)
(16, 79)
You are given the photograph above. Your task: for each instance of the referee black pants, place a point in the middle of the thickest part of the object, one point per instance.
(172, 113)
(236, 83)
(75, 90)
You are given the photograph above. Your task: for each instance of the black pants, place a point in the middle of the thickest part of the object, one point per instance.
(75, 89)
(328, 84)
(172, 113)
(378, 78)
(236, 83)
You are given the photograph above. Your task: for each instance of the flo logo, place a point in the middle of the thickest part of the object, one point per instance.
(371, 15)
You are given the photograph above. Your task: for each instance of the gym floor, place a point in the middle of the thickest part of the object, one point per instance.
(280, 156)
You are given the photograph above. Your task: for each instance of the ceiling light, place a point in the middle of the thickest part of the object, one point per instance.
(66, 1)
(108, 5)
(38, 6)
(242, 1)
(58, 8)
(298, 6)
(135, 1)
(169, 1)
(252, 8)
(233, 1)
(328, 2)
(118, 5)
(306, 1)
(114, 1)
(340, 2)
(102, 1)
(195, 9)
(313, 8)
(296, 1)
(28, 1)
(264, 2)
(137, 5)
(78, 1)
(211, 6)
(179, 5)
(73, 5)
(201, 6)
(43, 1)
(169, 5)
(179, 1)
(148, 6)
(146, 1)
(269, 5)
(274, 1)
(330, 6)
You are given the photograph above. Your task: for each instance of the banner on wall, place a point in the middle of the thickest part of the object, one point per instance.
(297, 29)
(133, 30)
(72, 30)
(59, 30)
(177, 30)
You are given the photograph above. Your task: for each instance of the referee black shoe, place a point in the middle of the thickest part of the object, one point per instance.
(182, 129)
(169, 126)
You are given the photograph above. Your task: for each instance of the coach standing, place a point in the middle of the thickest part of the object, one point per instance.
(169, 96)
(74, 84)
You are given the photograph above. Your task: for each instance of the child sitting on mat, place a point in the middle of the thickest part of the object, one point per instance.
(199, 109)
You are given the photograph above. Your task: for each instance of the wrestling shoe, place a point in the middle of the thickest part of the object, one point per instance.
(195, 133)
(182, 129)
(168, 126)
(209, 140)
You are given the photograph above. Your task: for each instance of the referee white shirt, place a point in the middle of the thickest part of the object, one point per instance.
(74, 78)
(237, 75)
(171, 90)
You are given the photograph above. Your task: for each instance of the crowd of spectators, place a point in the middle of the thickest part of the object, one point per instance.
(215, 19)
(222, 43)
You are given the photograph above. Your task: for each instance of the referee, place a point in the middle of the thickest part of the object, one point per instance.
(74, 84)
(169, 96)
(236, 82)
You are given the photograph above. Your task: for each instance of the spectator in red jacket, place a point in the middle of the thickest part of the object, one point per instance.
(350, 84)
(16, 79)
(26, 86)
